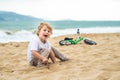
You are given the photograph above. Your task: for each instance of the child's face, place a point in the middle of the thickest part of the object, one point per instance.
(44, 33)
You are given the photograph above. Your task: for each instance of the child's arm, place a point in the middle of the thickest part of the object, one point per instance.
(37, 55)
(52, 56)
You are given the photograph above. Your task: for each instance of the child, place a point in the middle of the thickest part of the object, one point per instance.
(39, 49)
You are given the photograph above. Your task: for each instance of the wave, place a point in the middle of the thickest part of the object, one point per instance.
(27, 35)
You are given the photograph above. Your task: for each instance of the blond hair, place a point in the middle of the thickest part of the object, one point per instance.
(42, 24)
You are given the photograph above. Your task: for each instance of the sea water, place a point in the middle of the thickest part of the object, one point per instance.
(25, 31)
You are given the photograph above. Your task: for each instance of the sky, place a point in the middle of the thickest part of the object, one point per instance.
(65, 9)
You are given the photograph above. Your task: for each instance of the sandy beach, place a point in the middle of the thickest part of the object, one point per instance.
(87, 62)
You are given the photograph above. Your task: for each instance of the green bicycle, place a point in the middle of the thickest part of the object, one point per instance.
(70, 41)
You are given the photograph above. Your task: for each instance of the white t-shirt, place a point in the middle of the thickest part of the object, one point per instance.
(36, 44)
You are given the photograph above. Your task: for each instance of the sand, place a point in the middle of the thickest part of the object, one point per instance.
(87, 62)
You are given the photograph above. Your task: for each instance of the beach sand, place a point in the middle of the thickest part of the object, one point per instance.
(87, 62)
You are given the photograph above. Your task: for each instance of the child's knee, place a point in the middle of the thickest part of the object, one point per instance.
(45, 52)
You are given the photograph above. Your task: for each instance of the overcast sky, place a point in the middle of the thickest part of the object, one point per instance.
(65, 9)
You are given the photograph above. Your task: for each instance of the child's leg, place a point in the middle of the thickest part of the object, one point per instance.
(45, 53)
(59, 55)
(36, 61)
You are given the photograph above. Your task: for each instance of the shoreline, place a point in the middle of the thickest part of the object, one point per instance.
(93, 62)
(81, 34)
(26, 35)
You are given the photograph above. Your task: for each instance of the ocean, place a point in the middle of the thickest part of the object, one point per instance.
(25, 31)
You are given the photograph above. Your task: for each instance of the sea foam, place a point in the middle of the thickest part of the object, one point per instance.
(27, 35)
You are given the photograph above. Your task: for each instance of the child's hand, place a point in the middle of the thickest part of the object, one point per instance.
(45, 60)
